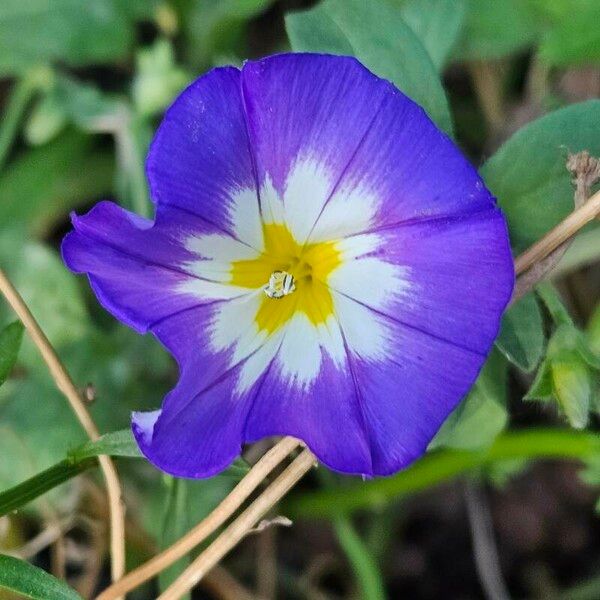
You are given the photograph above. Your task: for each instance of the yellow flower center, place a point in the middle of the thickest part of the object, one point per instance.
(310, 265)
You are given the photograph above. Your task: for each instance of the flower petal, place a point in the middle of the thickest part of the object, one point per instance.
(407, 388)
(307, 114)
(141, 271)
(456, 276)
(334, 140)
(200, 158)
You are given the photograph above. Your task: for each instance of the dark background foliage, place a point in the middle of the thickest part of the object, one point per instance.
(83, 85)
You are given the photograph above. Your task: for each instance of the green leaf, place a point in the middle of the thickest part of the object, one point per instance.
(541, 388)
(528, 173)
(496, 28)
(482, 415)
(375, 33)
(39, 188)
(75, 32)
(32, 582)
(521, 337)
(437, 23)
(572, 386)
(23, 493)
(116, 443)
(10, 342)
(575, 37)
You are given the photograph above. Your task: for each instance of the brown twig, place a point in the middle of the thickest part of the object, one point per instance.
(239, 528)
(586, 172)
(215, 519)
(560, 234)
(67, 387)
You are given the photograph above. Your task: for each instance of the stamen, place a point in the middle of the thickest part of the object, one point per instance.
(281, 284)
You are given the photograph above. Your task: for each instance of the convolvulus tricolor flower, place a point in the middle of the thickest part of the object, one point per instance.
(324, 263)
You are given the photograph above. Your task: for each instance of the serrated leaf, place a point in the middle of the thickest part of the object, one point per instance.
(521, 337)
(482, 415)
(375, 33)
(32, 582)
(528, 173)
(10, 342)
(496, 28)
(437, 23)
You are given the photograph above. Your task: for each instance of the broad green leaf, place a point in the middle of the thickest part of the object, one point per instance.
(23, 493)
(10, 342)
(482, 415)
(39, 188)
(32, 582)
(521, 337)
(496, 28)
(71, 31)
(437, 23)
(375, 33)
(116, 443)
(575, 37)
(528, 173)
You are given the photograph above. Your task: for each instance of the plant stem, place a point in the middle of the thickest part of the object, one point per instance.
(215, 519)
(240, 527)
(67, 387)
(438, 467)
(358, 553)
(364, 566)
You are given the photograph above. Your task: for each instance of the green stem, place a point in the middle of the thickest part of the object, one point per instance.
(32, 488)
(440, 466)
(21, 95)
(364, 566)
(362, 561)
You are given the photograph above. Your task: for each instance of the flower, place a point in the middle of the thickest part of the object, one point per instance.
(323, 263)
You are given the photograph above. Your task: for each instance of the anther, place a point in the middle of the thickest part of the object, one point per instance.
(281, 284)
